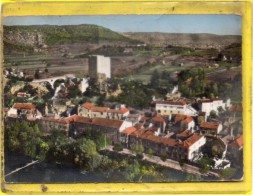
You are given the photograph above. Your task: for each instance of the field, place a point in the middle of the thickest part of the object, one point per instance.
(65, 49)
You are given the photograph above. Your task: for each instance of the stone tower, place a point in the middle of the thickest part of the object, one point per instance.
(99, 67)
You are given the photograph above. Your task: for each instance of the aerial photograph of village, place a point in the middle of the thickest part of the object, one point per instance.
(122, 98)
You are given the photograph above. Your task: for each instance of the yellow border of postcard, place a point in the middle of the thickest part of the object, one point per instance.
(240, 7)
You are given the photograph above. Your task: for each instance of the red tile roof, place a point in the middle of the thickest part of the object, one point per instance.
(93, 108)
(191, 140)
(120, 111)
(185, 133)
(95, 121)
(129, 130)
(21, 94)
(209, 125)
(179, 117)
(188, 119)
(88, 105)
(99, 109)
(138, 126)
(107, 122)
(181, 102)
(158, 119)
(148, 134)
(139, 132)
(26, 106)
(78, 119)
(61, 120)
(237, 143)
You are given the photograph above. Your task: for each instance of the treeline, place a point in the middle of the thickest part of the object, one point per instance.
(194, 83)
(84, 153)
(27, 139)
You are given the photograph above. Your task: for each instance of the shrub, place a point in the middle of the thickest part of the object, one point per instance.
(163, 157)
(118, 147)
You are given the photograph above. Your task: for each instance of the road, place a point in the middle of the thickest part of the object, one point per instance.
(167, 163)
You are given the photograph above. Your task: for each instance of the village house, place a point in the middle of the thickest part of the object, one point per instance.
(160, 146)
(160, 123)
(133, 118)
(208, 105)
(183, 135)
(193, 145)
(235, 149)
(47, 125)
(189, 149)
(91, 111)
(75, 126)
(23, 95)
(210, 128)
(168, 108)
(182, 122)
(124, 136)
(26, 110)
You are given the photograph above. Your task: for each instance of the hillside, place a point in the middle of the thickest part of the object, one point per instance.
(185, 40)
(41, 36)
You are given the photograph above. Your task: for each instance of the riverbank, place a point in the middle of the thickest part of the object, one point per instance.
(43, 172)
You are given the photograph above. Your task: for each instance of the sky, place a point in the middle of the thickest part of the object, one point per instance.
(214, 24)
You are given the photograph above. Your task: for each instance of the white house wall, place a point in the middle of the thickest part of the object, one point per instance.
(12, 111)
(195, 147)
(125, 125)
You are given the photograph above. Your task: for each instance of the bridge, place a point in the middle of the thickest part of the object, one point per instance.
(52, 80)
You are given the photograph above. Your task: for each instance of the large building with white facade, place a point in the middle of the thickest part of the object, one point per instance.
(208, 105)
(168, 108)
(99, 67)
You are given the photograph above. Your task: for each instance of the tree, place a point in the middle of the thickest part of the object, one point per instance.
(205, 164)
(227, 173)
(213, 114)
(26, 139)
(163, 157)
(154, 80)
(60, 146)
(98, 137)
(117, 147)
(86, 155)
(37, 74)
(133, 171)
(137, 148)
(150, 152)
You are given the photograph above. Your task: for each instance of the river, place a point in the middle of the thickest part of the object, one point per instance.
(43, 172)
